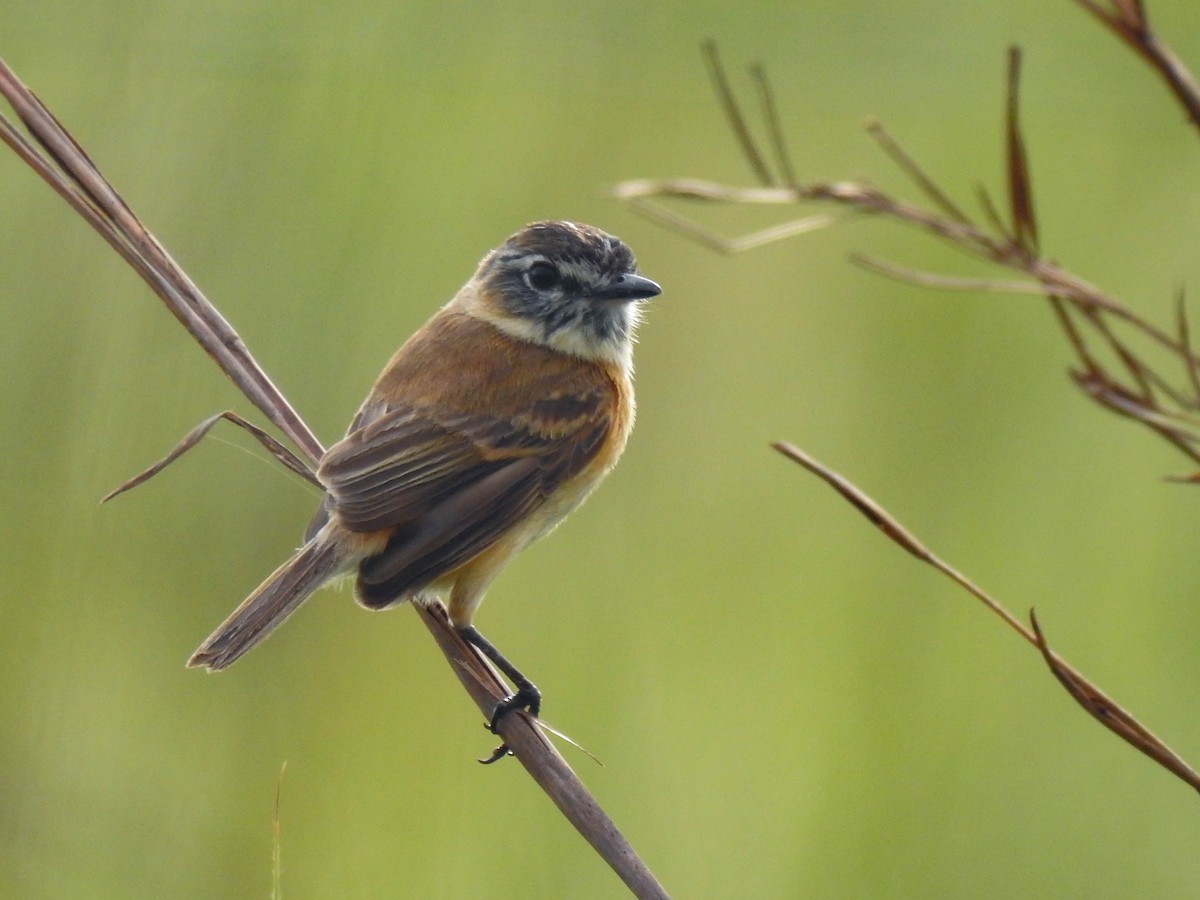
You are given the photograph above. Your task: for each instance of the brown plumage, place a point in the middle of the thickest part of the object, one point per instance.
(486, 428)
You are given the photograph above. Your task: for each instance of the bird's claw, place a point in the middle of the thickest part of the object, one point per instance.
(527, 698)
(497, 754)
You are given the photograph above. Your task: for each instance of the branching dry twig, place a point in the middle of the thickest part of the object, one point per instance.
(68, 170)
(1088, 315)
(282, 454)
(1119, 376)
(1127, 20)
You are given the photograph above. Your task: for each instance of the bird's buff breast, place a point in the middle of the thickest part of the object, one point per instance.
(570, 496)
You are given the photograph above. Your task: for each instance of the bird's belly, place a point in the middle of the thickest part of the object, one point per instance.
(560, 505)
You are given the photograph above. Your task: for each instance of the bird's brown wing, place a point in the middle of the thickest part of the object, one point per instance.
(451, 485)
(367, 413)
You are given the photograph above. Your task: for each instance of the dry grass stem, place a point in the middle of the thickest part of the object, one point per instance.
(281, 453)
(1093, 700)
(1109, 714)
(277, 839)
(1127, 20)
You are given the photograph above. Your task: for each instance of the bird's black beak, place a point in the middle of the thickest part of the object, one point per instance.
(629, 287)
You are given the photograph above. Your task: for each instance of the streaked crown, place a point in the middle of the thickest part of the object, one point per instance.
(568, 286)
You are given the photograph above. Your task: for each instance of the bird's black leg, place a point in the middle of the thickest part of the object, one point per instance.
(526, 696)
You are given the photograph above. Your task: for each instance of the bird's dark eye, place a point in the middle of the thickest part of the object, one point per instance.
(542, 276)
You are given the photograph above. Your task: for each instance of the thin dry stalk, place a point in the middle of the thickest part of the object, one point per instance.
(1127, 20)
(63, 164)
(277, 839)
(1094, 701)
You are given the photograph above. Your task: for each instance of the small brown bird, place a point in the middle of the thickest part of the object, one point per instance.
(487, 427)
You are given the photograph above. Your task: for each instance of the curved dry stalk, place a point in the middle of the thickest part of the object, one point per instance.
(537, 754)
(69, 171)
(944, 282)
(282, 454)
(720, 243)
(1094, 701)
(1127, 20)
(733, 113)
(1020, 188)
(80, 183)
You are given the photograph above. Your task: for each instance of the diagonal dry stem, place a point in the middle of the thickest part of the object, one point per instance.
(1111, 715)
(1093, 700)
(915, 172)
(770, 111)
(1127, 20)
(80, 183)
(733, 113)
(1020, 187)
(281, 453)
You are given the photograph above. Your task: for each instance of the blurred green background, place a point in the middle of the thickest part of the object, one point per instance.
(786, 704)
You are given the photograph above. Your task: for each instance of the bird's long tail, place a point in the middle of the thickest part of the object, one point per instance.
(262, 612)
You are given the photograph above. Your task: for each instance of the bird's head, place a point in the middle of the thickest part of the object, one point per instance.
(567, 286)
